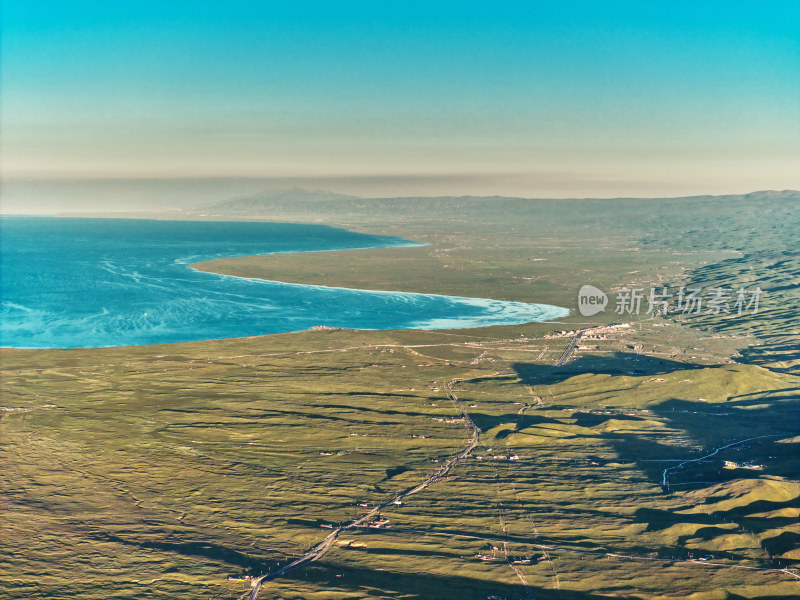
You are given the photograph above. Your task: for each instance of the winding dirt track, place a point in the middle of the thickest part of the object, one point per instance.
(320, 549)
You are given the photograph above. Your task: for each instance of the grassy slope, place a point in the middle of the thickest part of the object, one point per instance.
(155, 471)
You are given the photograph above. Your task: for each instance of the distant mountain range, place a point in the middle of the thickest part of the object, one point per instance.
(301, 200)
(267, 199)
(774, 194)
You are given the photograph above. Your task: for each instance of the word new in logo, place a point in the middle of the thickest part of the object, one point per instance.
(591, 300)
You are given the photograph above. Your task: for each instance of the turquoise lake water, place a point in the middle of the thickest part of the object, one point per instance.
(86, 283)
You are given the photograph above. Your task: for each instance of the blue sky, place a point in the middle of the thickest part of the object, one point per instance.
(533, 98)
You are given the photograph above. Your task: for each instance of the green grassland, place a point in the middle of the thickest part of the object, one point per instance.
(155, 472)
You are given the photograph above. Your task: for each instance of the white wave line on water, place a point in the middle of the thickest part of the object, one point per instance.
(197, 306)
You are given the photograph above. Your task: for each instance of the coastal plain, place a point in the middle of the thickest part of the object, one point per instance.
(619, 456)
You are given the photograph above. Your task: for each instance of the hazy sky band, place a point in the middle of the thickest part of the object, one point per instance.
(631, 91)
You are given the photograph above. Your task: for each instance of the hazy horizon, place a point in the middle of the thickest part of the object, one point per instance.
(47, 197)
(577, 99)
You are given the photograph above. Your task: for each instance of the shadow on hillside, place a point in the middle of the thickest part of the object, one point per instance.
(618, 363)
(239, 561)
(711, 426)
(766, 354)
(486, 422)
(693, 430)
(784, 542)
(714, 425)
(417, 584)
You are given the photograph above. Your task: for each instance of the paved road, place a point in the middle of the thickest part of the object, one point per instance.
(569, 349)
